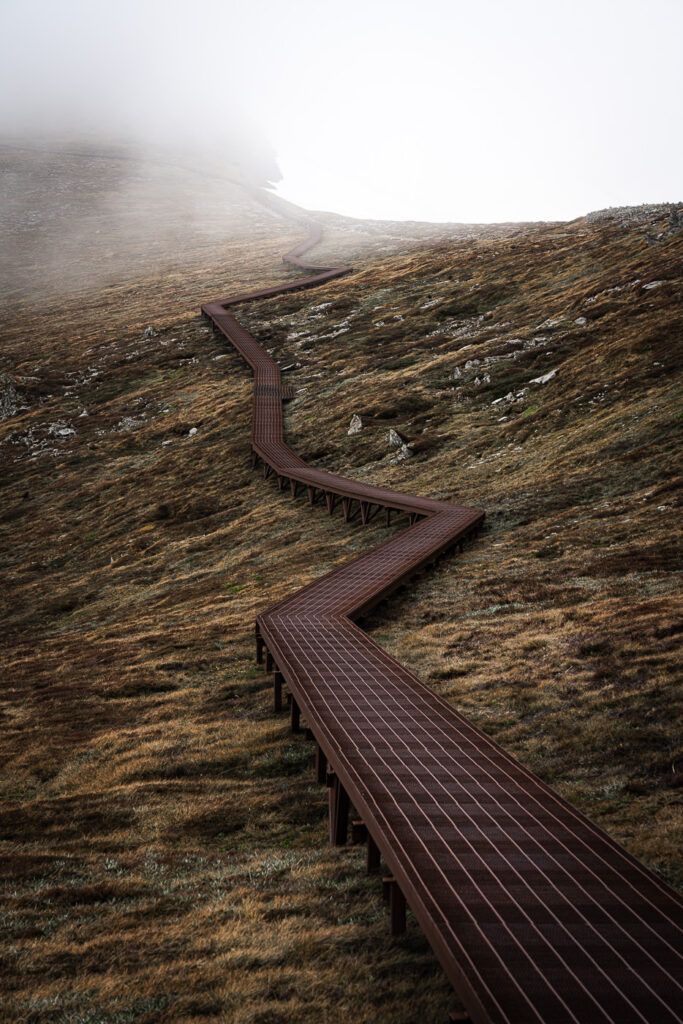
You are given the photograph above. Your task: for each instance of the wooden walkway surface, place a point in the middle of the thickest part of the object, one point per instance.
(535, 914)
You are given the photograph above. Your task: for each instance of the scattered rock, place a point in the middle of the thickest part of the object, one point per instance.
(129, 423)
(355, 426)
(404, 452)
(395, 439)
(506, 398)
(457, 373)
(545, 378)
(149, 332)
(630, 216)
(9, 399)
(651, 285)
(581, 321)
(192, 431)
(61, 430)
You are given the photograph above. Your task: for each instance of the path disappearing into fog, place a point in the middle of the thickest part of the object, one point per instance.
(535, 914)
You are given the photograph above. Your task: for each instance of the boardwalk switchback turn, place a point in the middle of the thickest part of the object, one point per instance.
(535, 913)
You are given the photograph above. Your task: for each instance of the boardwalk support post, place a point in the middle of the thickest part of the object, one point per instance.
(270, 663)
(295, 715)
(320, 764)
(278, 679)
(339, 810)
(392, 894)
(359, 832)
(373, 857)
(259, 648)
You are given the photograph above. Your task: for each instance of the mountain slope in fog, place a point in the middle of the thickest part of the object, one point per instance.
(165, 843)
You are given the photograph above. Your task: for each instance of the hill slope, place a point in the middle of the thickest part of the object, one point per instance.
(164, 839)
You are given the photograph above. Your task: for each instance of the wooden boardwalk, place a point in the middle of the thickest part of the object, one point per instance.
(535, 914)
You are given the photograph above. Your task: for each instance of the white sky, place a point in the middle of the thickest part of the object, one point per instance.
(462, 110)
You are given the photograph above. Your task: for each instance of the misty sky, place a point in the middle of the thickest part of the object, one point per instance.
(439, 109)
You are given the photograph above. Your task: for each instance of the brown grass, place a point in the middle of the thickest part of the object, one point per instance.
(163, 841)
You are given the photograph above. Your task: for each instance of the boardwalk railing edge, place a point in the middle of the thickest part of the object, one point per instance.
(617, 926)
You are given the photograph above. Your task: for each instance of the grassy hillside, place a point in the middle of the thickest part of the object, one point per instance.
(163, 840)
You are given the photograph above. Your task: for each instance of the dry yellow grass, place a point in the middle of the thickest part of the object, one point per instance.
(163, 841)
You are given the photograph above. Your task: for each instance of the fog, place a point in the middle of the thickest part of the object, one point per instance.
(439, 110)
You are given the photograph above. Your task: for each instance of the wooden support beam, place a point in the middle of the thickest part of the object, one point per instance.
(373, 857)
(364, 509)
(339, 811)
(359, 832)
(311, 495)
(330, 501)
(320, 764)
(280, 482)
(347, 504)
(293, 487)
(295, 715)
(397, 910)
(392, 894)
(254, 460)
(278, 680)
(388, 517)
(259, 649)
(270, 663)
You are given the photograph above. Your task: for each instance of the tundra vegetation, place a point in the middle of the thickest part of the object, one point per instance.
(163, 840)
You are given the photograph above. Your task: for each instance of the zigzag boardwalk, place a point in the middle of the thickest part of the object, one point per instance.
(535, 914)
